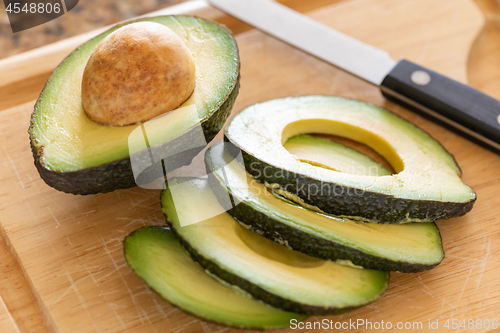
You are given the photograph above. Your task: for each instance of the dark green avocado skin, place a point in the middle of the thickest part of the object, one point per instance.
(341, 200)
(136, 270)
(300, 240)
(259, 293)
(118, 174)
(256, 291)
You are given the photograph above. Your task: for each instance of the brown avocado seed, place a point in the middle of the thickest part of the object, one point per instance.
(136, 73)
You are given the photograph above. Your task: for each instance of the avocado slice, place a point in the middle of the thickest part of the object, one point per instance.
(426, 186)
(157, 257)
(76, 155)
(281, 277)
(411, 247)
(332, 155)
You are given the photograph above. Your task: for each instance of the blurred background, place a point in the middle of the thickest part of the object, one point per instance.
(86, 16)
(483, 66)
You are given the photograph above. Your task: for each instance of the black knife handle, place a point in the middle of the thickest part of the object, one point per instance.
(453, 104)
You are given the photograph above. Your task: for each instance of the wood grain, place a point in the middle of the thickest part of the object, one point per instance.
(7, 323)
(484, 56)
(18, 297)
(70, 246)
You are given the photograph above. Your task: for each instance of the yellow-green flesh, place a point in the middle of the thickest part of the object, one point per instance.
(332, 155)
(275, 268)
(158, 258)
(71, 141)
(411, 242)
(425, 171)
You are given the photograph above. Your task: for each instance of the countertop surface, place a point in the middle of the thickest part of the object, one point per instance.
(86, 16)
(483, 66)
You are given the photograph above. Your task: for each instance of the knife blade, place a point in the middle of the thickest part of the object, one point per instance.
(455, 105)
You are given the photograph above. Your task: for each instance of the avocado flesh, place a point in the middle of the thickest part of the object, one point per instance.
(157, 257)
(427, 185)
(270, 272)
(411, 247)
(332, 155)
(71, 148)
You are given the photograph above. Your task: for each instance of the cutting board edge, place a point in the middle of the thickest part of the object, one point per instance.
(47, 318)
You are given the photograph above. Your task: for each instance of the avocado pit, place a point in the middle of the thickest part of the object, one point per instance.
(136, 73)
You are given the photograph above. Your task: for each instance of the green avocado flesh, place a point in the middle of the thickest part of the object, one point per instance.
(426, 186)
(157, 257)
(68, 147)
(411, 247)
(332, 155)
(270, 272)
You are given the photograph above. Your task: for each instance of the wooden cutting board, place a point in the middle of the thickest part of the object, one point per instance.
(68, 249)
(7, 323)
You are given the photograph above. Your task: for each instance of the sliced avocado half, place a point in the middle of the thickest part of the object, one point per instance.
(427, 185)
(157, 257)
(411, 247)
(283, 278)
(76, 155)
(332, 155)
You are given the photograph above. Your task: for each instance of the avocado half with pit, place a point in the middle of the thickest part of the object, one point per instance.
(158, 258)
(411, 247)
(77, 155)
(426, 186)
(276, 275)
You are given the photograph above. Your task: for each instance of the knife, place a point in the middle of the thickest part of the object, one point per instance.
(457, 106)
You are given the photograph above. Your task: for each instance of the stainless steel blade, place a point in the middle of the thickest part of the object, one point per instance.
(296, 29)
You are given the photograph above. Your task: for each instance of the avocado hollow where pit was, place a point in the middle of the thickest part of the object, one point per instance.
(426, 186)
(136, 73)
